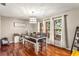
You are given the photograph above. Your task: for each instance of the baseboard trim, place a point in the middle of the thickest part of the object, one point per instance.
(10, 41)
(60, 47)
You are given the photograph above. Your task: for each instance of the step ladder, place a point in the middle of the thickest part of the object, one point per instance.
(75, 44)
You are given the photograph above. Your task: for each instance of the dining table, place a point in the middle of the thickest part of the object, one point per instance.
(35, 40)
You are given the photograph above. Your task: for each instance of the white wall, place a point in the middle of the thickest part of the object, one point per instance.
(8, 29)
(44, 26)
(38, 27)
(34, 27)
(0, 27)
(51, 31)
(72, 23)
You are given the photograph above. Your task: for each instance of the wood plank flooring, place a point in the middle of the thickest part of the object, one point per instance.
(21, 50)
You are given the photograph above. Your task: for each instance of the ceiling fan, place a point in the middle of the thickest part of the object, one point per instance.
(4, 4)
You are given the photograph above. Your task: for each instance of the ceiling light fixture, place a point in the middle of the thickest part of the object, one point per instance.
(33, 19)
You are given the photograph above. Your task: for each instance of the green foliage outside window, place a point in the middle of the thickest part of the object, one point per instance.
(58, 26)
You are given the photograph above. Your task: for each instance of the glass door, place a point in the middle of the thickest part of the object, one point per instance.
(41, 29)
(57, 31)
(48, 29)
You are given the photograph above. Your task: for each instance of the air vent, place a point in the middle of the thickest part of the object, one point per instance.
(4, 4)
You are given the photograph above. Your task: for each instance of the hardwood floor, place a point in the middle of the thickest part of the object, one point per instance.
(21, 50)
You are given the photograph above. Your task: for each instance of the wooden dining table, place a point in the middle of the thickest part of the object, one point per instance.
(35, 40)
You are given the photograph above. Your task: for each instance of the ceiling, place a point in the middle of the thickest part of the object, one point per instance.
(38, 10)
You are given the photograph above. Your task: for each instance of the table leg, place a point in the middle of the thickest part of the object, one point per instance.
(23, 40)
(46, 43)
(36, 47)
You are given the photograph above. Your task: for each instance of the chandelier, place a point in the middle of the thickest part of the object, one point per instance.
(33, 19)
